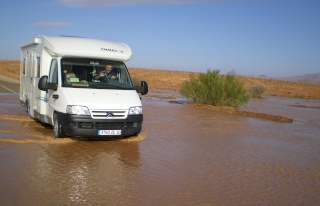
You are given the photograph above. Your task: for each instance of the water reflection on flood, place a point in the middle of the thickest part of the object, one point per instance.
(184, 156)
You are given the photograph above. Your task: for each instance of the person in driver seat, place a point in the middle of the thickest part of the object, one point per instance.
(106, 74)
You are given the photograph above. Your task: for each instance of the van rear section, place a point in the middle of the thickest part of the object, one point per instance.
(81, 86)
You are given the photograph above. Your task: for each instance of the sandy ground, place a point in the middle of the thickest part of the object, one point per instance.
(172, 80)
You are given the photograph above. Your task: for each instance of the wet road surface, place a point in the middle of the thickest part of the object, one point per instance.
(9, 87)
(184, 156)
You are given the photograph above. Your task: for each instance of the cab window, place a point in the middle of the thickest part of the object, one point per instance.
(53, 75)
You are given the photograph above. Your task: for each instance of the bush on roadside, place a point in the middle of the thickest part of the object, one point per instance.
(214, 89)
(257, 91)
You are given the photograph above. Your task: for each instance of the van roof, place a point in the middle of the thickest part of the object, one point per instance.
(66, 46)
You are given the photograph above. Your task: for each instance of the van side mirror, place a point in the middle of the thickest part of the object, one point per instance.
(143, 89)
(42, 84)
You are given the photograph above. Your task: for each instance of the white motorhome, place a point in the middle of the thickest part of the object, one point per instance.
(67, 82)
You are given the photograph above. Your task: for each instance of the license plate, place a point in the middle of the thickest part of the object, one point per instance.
(109, 132)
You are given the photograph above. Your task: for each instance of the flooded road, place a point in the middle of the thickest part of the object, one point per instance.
(184, 156)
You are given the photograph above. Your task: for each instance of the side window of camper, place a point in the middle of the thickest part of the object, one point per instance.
(24, 62)
(53, 75)
(38, 67)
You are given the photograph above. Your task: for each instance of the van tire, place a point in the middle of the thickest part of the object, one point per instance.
(57, 128)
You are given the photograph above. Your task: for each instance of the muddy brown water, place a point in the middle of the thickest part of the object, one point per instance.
(184, 156)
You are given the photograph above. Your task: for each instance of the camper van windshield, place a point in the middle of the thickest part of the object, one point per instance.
(92, 73)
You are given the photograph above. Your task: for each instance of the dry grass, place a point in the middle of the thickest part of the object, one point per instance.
(164, 79)
(283, 88)
(10, 69)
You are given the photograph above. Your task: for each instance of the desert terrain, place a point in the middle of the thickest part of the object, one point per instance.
(185, 155)
(172, 80)
(164, 79)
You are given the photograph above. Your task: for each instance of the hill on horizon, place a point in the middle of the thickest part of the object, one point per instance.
(310, 78)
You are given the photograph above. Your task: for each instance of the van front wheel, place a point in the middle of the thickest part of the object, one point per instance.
(57, 129)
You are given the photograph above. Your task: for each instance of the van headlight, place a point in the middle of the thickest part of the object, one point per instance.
(79, 110)
(135, 110)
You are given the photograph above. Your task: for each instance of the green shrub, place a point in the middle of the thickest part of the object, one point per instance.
(257, 91)
(211, 88)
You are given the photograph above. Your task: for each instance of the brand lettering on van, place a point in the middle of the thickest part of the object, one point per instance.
(111, 50)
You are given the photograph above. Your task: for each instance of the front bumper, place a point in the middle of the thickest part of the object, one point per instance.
(85, 126)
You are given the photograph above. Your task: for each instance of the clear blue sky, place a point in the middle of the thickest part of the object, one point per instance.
(277, 38)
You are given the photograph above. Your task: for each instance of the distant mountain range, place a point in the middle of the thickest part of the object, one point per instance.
(311, 78)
